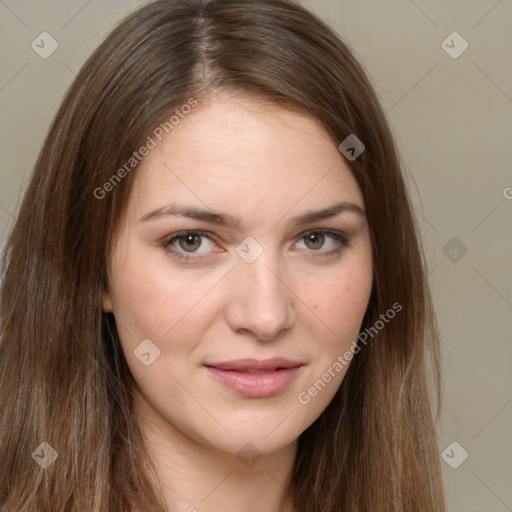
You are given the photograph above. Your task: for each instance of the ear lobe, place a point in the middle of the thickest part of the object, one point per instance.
(107, 303)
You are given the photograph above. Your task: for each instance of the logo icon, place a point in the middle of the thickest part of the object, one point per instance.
(44, 455)
(351, 147)
(44, 45)
(454, 455)
(454, 250)
(249, 250)
(249, 455)
(454, 45)
(146, 352)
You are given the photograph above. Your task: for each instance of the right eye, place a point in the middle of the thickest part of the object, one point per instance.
(186, 243)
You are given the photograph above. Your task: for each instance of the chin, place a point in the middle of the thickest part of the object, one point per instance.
(264, 434)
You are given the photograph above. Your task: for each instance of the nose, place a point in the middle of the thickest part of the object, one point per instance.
(261, 302)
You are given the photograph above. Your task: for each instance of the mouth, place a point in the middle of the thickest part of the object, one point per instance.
(254, 378)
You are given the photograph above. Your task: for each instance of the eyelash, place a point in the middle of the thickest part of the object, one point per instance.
(342, 239)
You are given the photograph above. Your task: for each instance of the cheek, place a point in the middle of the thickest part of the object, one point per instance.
(341, 304)
(153, 303)
(145, 304)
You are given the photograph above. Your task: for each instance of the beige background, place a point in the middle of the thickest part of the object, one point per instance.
(453, 121)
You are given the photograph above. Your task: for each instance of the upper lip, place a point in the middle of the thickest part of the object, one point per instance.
(255, 364)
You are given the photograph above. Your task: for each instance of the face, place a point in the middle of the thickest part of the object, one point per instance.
(240, 275)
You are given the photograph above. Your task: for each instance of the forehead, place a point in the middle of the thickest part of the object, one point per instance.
(243, 155)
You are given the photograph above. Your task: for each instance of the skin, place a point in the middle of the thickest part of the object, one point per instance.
(264, 165)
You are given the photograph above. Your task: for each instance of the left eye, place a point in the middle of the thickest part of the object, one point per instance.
(316, 240)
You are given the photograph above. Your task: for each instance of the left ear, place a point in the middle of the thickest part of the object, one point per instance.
(107, 302)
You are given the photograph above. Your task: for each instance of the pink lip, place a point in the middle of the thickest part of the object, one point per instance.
(255, 378)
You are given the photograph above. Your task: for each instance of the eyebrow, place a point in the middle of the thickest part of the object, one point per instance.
(225, 220)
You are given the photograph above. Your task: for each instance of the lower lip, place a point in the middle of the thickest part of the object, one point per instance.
(255, 385)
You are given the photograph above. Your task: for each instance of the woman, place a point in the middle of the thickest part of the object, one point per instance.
(214, 295)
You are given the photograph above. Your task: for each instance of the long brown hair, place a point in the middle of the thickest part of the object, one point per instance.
(64, 380)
